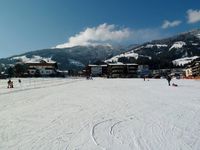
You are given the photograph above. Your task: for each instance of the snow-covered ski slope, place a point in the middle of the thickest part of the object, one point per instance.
(100, 114)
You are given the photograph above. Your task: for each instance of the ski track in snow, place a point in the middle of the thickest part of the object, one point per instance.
(100, 114)
(35, 85)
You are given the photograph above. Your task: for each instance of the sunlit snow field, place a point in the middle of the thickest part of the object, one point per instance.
(111, 114)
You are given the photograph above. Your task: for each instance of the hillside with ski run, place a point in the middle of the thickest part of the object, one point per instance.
(164, 52)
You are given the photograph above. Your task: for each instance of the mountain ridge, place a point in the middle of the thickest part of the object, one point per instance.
(69, 58)
(161, 53)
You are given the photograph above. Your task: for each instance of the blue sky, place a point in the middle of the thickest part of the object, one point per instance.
(27, 25)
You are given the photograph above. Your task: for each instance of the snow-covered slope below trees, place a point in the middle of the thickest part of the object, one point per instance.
(177, 45)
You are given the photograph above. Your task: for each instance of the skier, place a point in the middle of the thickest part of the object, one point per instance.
(10, 84)
(168, 77)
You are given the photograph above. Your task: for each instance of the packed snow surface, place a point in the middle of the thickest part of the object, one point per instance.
(100, 114)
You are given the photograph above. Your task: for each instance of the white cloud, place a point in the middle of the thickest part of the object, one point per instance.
(168, 24)
(105, 34)
(193, 16)
(102, 34)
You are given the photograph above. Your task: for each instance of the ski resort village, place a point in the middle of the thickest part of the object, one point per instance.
(107, 105)
(99, 75)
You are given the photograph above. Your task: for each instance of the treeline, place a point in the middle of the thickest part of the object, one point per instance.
(18, 70)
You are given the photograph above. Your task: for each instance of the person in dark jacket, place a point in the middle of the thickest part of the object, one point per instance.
(168, 79)
(10, 84)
